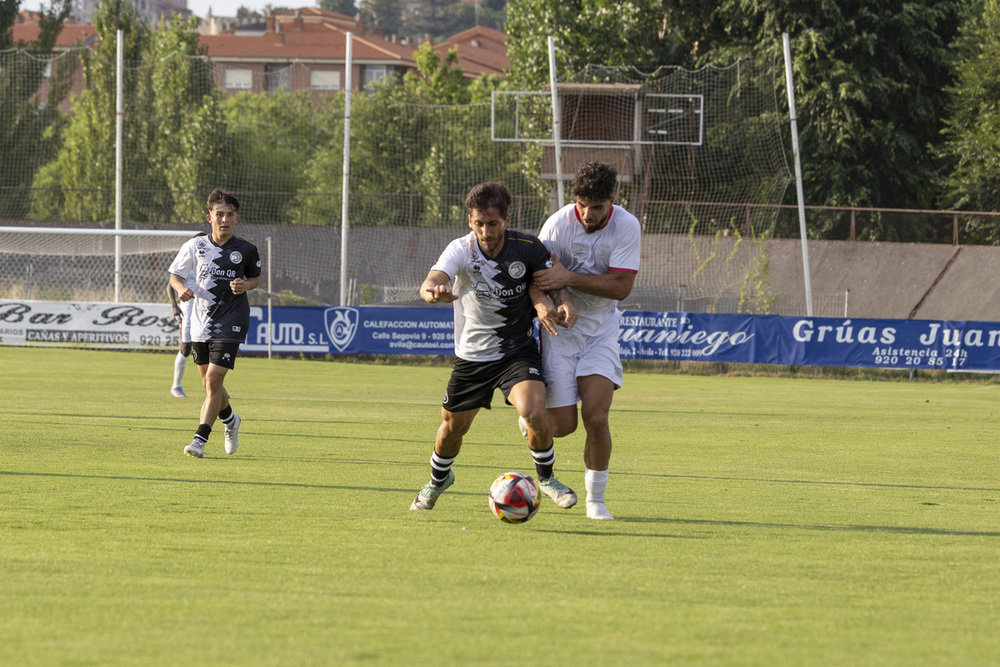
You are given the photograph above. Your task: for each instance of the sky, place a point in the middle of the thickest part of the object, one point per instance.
(219, 7)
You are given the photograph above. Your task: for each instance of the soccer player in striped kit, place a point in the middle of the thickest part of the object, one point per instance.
(486, 275)
(225, 268)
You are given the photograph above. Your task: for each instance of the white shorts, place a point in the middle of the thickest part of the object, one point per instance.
(569, 356)
(187, 309)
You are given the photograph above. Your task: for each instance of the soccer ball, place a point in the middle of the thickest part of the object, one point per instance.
(514, 497)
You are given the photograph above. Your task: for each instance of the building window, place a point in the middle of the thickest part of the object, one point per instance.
(373, 73)
(239, 78)
(324, 80)
(278, 77)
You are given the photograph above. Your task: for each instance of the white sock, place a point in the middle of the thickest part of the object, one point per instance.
(596, 482)
(180, 361)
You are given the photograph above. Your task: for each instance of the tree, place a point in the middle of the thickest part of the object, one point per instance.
(29, 129)
(584, 31)
(973, 124)
(385, 14)
(345, 7)
(85, 163)
(429, 18)
(871, 81)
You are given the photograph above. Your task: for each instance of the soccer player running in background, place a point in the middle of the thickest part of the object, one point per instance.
(595, 250)
(182, 315)
(486, 274)
(225, 268)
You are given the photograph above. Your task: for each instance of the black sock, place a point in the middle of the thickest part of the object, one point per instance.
(544, 462)
(204, 430)
(440, 466)
(226, 414)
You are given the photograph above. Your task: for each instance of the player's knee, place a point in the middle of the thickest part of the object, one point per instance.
(538, 421)
(185, 349)
(596, 422)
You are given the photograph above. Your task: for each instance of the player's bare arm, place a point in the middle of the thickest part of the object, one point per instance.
(612, 285)
(435, 288)
(241, 285)
(184, 292)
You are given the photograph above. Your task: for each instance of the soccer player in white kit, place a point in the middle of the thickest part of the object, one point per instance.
(595, 247)
(182, 315)
(486, 275)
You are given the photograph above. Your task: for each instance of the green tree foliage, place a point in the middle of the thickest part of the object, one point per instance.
(871, 78)
(82, 173)
(973, 126)
(186, 126)
(345, 7)
(29, 129)
(418, 145)
(272, 138)
(607, 32)
(385, 14)
(871, 83)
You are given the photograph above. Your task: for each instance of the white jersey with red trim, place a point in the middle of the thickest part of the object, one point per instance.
(613, 247)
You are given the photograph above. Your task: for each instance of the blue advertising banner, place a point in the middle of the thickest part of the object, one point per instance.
(346, 330)
(811, 341)
(670, 336)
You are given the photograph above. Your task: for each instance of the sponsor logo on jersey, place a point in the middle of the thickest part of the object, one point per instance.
(236, 257)
(483, 292)
(341, 325)
(516, 270)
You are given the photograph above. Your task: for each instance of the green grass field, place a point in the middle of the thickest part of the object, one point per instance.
(760, 521)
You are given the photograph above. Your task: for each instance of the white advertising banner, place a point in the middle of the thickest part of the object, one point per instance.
(133, 326)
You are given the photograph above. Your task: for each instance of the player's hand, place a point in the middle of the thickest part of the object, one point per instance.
(548, 316)
(178, 317)
(186, 295)
(567, 315)
(553, 278)
(238, 285)
(438, 294)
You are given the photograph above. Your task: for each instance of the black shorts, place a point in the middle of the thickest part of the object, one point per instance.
(218, 352)
(472, 382)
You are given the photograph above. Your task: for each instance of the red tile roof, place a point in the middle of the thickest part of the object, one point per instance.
(480, 51)
(29, 30)
(309, 40)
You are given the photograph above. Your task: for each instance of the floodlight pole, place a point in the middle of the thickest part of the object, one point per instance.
(798, 171)
(120, 64)
(556, 124)
(344, 226)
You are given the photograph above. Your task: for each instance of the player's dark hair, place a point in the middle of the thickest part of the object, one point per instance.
(491, 194)
(219, 195)
(595, 181)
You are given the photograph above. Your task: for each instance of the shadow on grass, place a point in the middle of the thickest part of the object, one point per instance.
(817, 482)
(898, 530)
